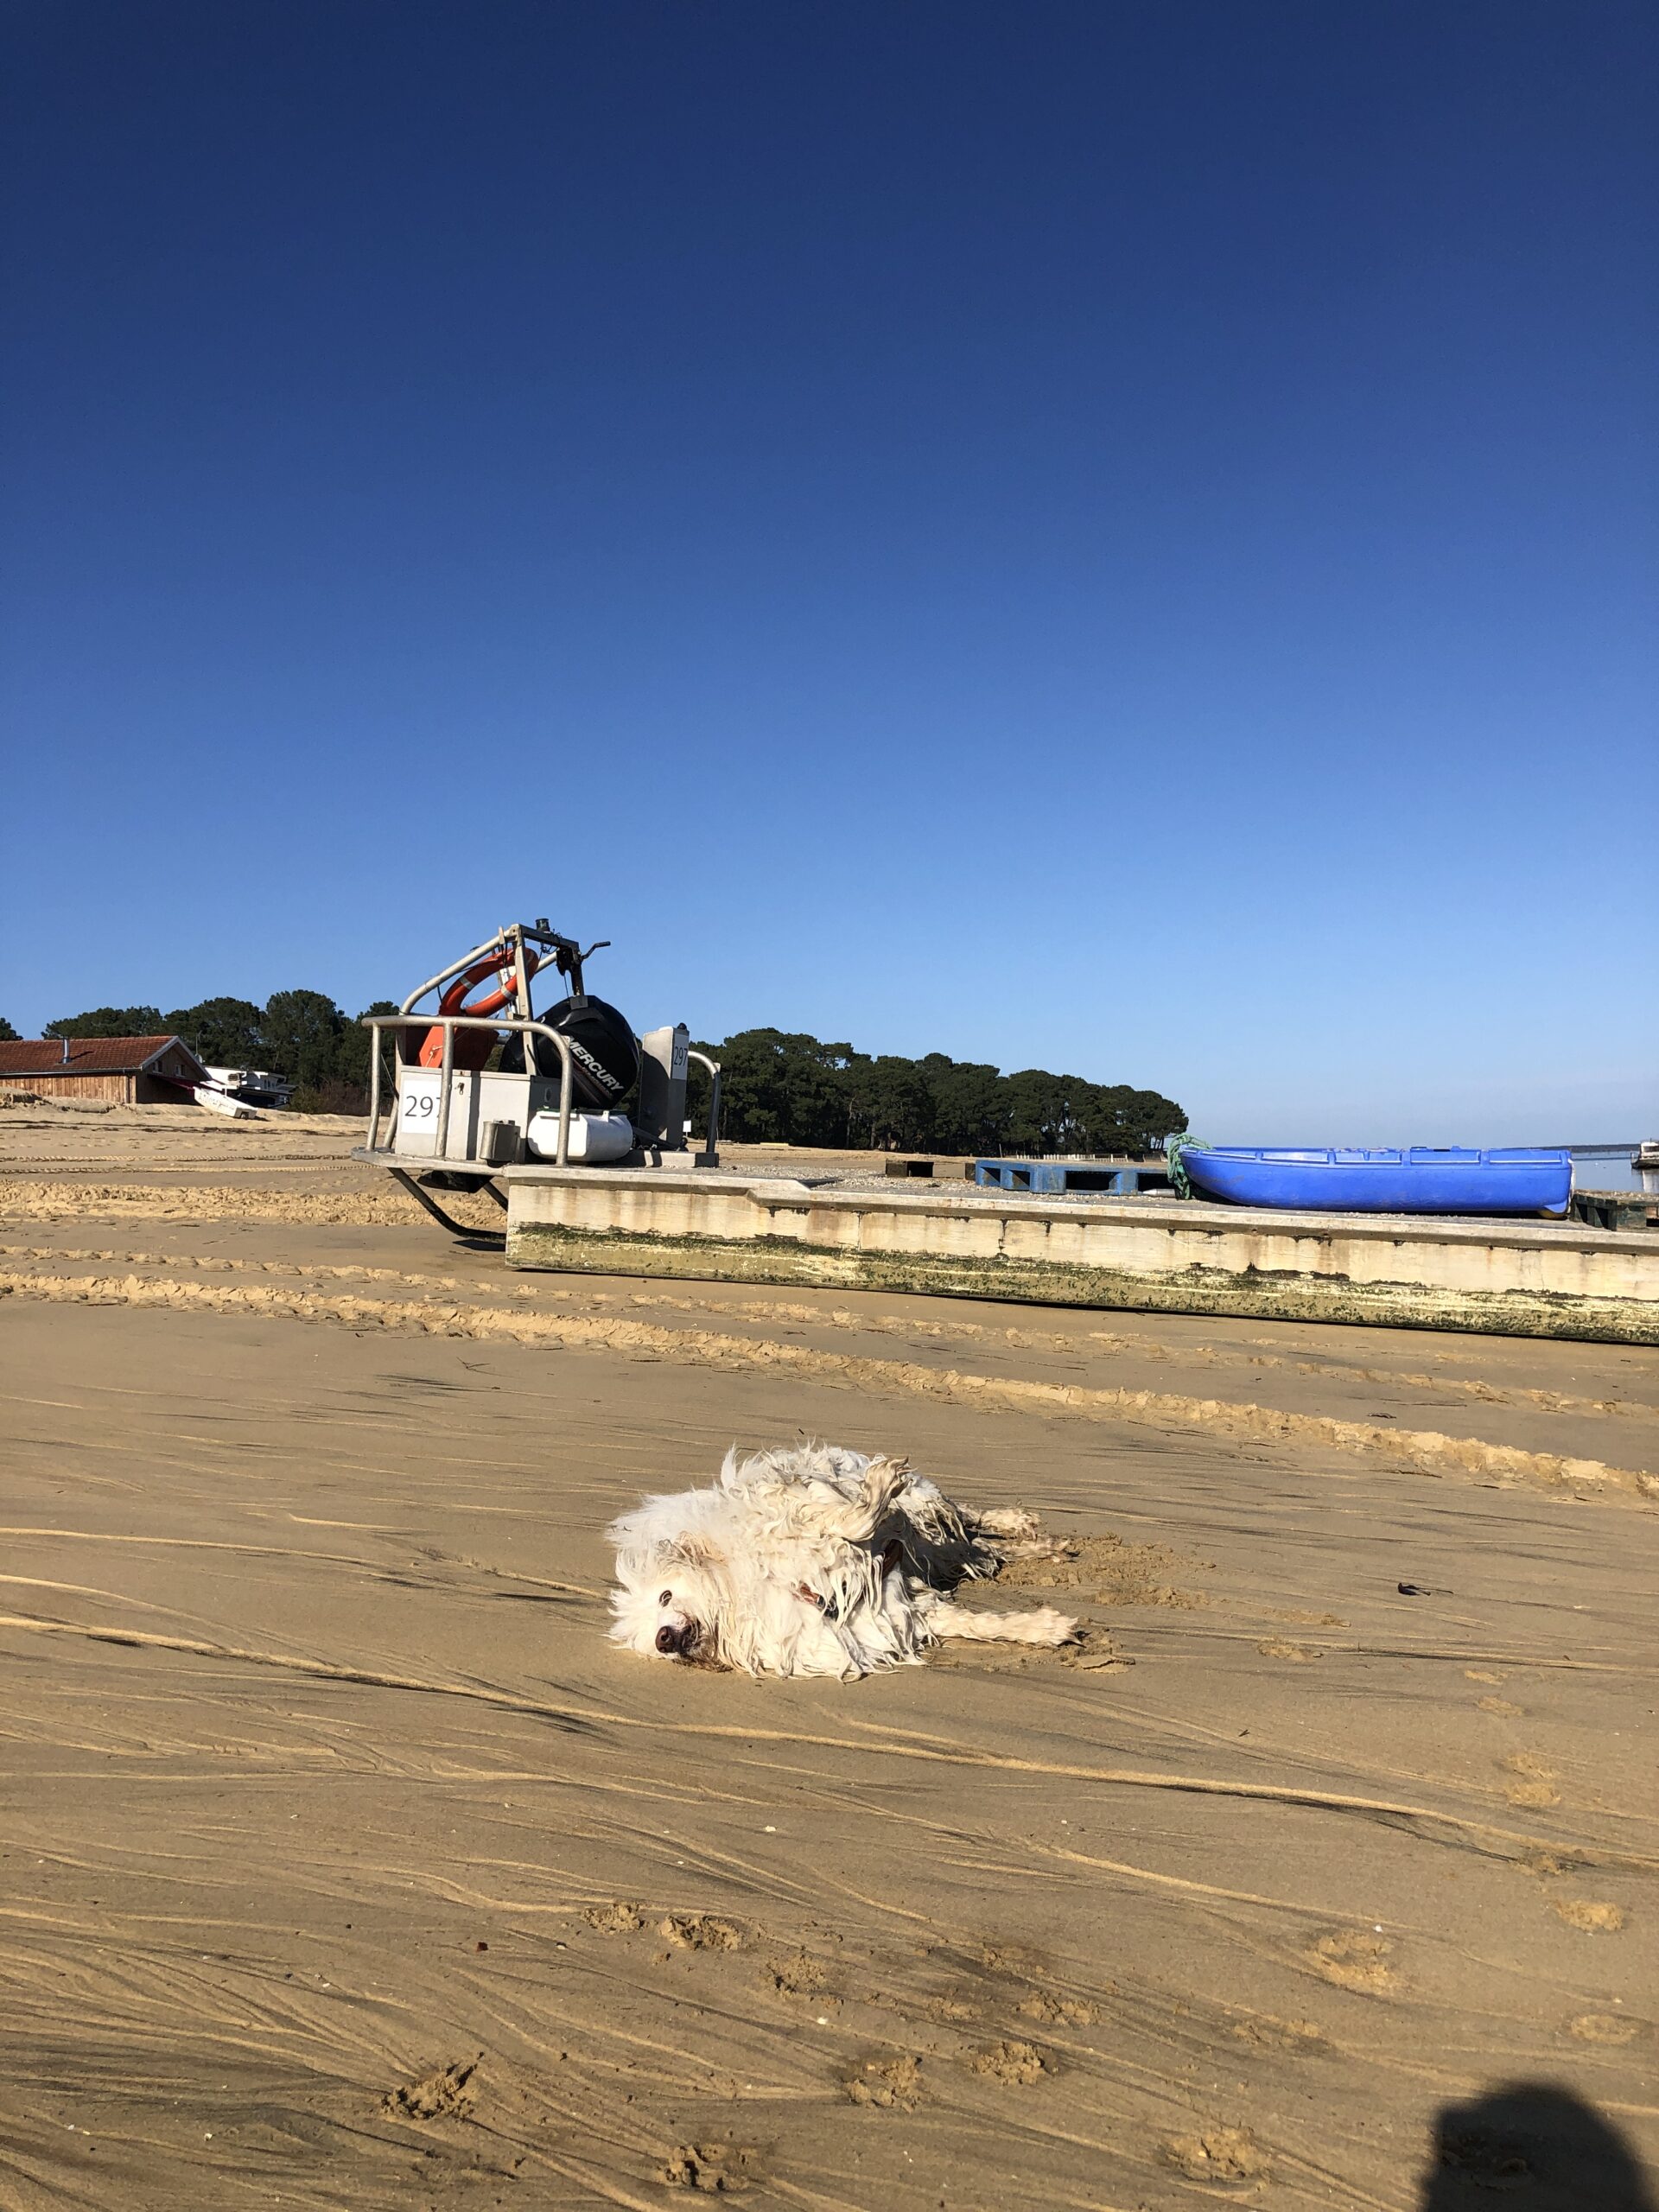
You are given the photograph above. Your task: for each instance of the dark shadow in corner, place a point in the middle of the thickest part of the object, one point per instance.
(1539, 2146)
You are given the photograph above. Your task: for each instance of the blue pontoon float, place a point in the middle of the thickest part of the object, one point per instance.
(1416, 1179)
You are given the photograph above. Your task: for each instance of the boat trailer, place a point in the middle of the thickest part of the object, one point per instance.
(480, 1082)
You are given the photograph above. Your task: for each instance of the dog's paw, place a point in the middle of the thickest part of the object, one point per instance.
(1007, 1523)
(1012, 1547)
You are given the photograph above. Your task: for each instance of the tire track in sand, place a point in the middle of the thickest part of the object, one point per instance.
(1425, 1449)
(867, 1321)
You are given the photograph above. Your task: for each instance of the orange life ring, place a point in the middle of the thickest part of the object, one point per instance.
(473, 1046)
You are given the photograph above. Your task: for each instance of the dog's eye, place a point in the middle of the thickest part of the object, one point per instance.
(666, 1595)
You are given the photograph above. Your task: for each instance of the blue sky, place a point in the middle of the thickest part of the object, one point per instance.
(1112, 538)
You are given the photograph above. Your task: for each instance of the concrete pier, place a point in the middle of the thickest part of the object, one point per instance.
(1153, 1253)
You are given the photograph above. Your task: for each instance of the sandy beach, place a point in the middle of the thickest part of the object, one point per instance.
(346, 1863)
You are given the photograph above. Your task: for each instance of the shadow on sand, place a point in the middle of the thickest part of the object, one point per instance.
(1538, 2144)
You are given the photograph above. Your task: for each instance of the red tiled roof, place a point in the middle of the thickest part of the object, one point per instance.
(87, 1055)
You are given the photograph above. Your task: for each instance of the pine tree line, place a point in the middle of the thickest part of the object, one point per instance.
(780, 1087)
(777, 1086)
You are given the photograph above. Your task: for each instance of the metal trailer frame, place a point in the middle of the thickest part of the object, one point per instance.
(511, 941)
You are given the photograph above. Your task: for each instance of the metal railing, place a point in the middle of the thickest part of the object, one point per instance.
(709, 1156)
(449, 1023)
(510, 942)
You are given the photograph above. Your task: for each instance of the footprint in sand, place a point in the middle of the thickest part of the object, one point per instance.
(614, 1919)
(1061, 2011)
(1610, 2029)
(1298, 2037)
(700, 1931)
(1500, 1704)
(953, 2010)
(798, 1975)
(1485, 2160)
(1545, 1864)
(1229, 2155)
(1590, 1919)
(1354, 1958)
(889, 2084)
(717, 2169)
(1010, 1959)
(1016, 2063)
(1532, 1780)
(445, 2095)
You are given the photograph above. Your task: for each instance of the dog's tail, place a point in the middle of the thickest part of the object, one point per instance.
(1044, 1627)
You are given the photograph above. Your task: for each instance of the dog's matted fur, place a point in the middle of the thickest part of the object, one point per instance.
(813, 1560)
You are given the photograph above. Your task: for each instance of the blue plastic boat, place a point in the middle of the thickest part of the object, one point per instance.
(1418, 1179)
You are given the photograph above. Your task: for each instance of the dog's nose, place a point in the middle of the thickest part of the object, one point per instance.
(668, 1639)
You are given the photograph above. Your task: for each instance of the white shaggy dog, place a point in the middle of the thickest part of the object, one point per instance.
(813, 1560)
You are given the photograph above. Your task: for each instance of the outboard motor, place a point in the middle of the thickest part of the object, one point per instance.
(604, 1057)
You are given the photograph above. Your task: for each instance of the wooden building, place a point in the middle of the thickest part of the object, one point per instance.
(113, 1070)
